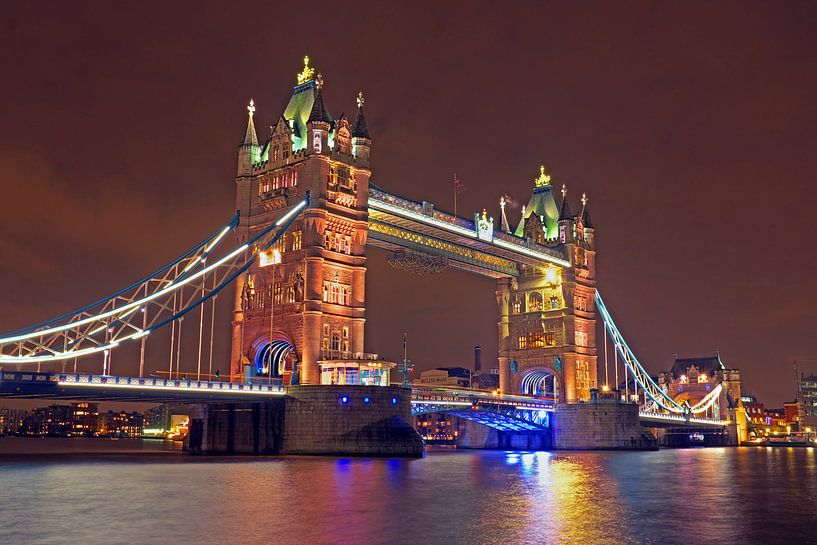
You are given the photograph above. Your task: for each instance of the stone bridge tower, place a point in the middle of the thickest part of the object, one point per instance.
(547, 318)
(304, 300)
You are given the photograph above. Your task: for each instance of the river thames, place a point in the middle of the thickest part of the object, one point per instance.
(67, 491)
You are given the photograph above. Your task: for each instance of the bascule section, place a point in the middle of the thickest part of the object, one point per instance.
(545, 274)
(303, 304)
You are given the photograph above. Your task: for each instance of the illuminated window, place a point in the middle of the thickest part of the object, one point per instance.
(264, 187)
(550, 339)
(294, 178)
(536, 339)
(297, 240)
(554, 303)
(516, 306)
(335, 341)
(347, 244)
(535, 302)
(327, 239)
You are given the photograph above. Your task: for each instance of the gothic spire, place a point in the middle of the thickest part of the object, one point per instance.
(250, 138)
(359, 129)
(318, 112)
(564, 212)
(586, 213)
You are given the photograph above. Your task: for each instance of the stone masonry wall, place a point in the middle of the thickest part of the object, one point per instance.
(600, 426)
(317, 421)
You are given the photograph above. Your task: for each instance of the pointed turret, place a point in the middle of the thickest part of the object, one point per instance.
(566, 219)
(360, 130)
(248, 150)
(319, 122)
(586, 216)
(587, 225)
(361, 142)
(318, 111)
(564, 211)
(250, 138)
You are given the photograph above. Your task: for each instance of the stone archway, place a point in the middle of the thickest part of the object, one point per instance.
(274, 356)
(540, 381)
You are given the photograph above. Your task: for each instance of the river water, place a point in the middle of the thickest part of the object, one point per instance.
(88, 492)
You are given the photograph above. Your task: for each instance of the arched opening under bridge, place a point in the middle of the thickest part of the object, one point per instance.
(540, 383)
(273, 357)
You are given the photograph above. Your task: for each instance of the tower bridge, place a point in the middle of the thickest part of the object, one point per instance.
(295, 259)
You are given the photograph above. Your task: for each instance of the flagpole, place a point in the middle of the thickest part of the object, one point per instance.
(456, 189)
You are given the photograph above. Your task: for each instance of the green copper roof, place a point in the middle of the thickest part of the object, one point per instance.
(298, 110)
(543, 204)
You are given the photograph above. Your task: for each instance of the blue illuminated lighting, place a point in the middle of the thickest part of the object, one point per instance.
(344, 400)
(366, 400)
(394, 400)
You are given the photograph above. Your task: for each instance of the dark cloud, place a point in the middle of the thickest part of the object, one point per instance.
(691, 127)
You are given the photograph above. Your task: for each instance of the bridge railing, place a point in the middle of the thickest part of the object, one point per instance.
(681, 419)
(79, 379)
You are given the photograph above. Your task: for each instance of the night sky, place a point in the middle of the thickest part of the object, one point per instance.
(691, 126)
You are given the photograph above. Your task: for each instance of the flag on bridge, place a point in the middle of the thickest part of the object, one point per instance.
(459, 187)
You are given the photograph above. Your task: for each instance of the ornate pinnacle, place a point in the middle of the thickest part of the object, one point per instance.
(251, 108)
(307, 74)
(584, 199)
(543, 179)
(360, 100)
(564, 190)
(319, 81)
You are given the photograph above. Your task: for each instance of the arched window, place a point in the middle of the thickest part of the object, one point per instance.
(535, 303)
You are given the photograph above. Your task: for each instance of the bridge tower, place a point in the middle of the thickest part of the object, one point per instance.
(547, 332)
(304, 300)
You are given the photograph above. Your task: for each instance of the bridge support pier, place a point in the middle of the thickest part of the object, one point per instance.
(318, 420)
(600, 426)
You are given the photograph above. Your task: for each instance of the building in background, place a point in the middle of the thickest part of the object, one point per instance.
(84, 419)
(121, 424)
(51, 421)
(808, 399)
(456, 377)
(11, 420)
(755, 411)
(438, 428)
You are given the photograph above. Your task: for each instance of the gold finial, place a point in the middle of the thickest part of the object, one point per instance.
(584, 199)
(543, 179)
(564, 190)
(307, 74)
(484, 215)
(251, 108)
(360, 99)
(319, 81)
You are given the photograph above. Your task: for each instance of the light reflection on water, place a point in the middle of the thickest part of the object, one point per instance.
(727, 496)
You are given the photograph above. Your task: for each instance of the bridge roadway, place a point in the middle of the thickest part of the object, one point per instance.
(506, 410)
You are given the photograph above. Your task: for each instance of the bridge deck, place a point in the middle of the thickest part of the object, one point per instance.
(28, 385)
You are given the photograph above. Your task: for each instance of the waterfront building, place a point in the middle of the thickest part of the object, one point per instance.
(438, 428)
(791, 410)
(808, 399)
(121, 424)
(52, 421)
(755, 410)
(11, 420)
(84, 419)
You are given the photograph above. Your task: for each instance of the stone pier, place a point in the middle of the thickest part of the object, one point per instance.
(600, 426)
(311, 420)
